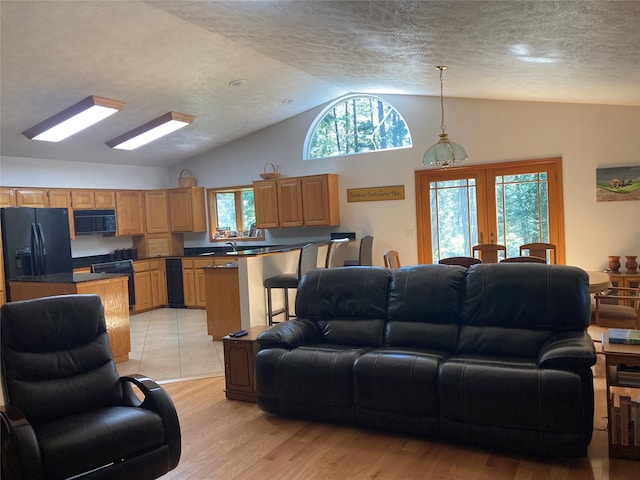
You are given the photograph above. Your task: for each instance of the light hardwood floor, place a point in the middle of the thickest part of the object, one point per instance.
(226, 439)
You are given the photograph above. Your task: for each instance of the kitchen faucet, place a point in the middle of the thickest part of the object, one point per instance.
(234, 246)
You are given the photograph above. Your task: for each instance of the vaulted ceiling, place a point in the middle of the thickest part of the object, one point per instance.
(160, 56)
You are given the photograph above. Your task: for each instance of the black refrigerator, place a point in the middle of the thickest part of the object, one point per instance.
(35, 241)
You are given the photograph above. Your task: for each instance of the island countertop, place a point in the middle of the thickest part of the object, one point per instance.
(67, 277)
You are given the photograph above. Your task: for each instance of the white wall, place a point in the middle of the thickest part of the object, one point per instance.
(585, 136)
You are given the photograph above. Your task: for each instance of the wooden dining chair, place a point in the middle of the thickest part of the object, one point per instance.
(392, 259)
(489, 252)
(619, 307)
(462, 261)
(542, 250)
(524, 259)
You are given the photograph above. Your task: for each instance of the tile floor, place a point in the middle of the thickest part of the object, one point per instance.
(172, 343)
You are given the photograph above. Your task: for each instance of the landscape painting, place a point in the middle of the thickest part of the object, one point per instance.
(618, 183)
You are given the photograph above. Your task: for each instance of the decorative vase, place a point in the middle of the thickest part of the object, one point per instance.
(614, 263)
(632, 264)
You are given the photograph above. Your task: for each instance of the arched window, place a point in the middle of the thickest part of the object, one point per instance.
(356, 124)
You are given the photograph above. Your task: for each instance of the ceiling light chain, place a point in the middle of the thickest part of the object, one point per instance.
(445, 152)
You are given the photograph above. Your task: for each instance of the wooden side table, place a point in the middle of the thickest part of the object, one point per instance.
(239, 365)
(623, 384)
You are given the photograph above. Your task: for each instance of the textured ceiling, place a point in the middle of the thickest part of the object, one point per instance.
(176, 55)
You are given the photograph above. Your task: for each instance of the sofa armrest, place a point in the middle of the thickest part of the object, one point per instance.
(21, 458)
(568, 351)
(290, 334)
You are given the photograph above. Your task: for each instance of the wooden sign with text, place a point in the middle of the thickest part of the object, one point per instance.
(375, 194)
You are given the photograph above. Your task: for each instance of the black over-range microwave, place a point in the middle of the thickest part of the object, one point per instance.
(94, 222)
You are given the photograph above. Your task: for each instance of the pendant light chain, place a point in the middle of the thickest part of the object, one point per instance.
(442, 124)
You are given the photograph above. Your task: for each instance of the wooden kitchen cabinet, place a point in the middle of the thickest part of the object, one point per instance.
(193, 281)
(150, 281)
(32, 197)
(158, 274)
(265, 196)
(130, 212)
(62, 199)
(297, 201)
(3, 295)
(320, 200)
(83, 199)
(104, 199)
(187, 211)
(142, 285)
(7, 197)
(156, 210)
(159, 245)
(290, 202)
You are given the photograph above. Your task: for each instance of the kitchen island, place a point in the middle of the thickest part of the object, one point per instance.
(112, 289)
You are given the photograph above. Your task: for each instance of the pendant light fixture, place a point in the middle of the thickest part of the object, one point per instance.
(445, 152)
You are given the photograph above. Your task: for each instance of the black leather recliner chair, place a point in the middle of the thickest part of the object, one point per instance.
(67, 411)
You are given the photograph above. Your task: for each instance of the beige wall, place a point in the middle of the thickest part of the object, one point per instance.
(585, 136)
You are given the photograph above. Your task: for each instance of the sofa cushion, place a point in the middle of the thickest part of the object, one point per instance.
(499, 400)
(425, 304)
(514, 308)
(397, 388)
(348, 304)
(312, 381)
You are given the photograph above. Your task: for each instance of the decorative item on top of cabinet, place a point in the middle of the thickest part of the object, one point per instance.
(35, 198)
(130, 212)
(7, 197)
(187, 211)
(157, 211)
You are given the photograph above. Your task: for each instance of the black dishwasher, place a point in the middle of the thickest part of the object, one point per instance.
(175, 293)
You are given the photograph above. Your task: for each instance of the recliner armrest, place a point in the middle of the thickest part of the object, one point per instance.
(158, 400)
(20, 449)
(290, 334)
(568, 351)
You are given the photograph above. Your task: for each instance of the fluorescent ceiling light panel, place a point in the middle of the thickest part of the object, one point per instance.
(150, 131)
(75, 118)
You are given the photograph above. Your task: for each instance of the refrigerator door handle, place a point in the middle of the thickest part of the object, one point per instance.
(35, 250)
(42, 251)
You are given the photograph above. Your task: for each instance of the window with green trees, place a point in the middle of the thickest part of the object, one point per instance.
(232, 213)
(356, 124)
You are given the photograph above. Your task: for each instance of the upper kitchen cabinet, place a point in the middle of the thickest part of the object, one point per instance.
(32, 197)
(297, 201)
(290, 202)
(104, 199)
(130, 212)
(320, 200)
(93, 199)
(265, 194)
(60, 199)
(187, 210)
(156, 209)
(7, 197)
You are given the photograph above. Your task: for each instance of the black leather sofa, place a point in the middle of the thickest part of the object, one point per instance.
(495, 355)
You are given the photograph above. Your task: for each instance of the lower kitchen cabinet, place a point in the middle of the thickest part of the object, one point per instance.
(193, 279)
(149, 277)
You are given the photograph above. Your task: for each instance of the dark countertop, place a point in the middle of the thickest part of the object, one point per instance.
(67, 277)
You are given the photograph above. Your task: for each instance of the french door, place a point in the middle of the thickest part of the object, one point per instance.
(509, 203)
